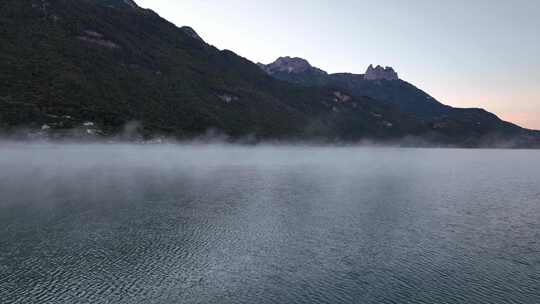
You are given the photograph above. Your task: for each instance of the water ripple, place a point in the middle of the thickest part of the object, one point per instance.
(269, 226)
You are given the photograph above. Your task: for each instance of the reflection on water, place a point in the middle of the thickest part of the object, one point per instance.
(187, 224)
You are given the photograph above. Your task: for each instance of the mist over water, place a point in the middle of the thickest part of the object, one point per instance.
(266, 224)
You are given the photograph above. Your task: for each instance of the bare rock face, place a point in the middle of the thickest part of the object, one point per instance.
(380, 73)
(290, 65)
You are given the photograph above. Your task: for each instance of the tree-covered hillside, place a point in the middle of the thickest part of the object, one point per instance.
(98, 65)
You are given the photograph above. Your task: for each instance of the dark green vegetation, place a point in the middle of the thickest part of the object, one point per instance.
(66, 62)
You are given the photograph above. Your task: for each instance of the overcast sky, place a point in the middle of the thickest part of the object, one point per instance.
(466, 53)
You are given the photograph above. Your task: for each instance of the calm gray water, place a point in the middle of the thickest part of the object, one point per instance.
(210, 224)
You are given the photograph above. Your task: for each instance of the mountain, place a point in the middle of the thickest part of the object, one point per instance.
(293, 66)
(101, 67)
(295, 70)
(383, 85)
(380, 73)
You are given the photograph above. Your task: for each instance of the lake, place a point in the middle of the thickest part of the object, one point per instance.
(229, 224)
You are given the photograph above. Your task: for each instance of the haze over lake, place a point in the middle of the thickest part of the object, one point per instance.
(229, 224)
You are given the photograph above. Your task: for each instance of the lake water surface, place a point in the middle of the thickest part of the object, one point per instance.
(214, 224)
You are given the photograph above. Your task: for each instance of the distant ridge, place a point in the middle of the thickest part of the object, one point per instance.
(384, 85)
(99, 68)
(292, 65)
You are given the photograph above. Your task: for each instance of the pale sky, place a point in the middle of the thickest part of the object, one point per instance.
(466, 53)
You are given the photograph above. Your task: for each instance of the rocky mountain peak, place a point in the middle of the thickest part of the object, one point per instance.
(191, 32)
(380, 73)
(291, 65)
